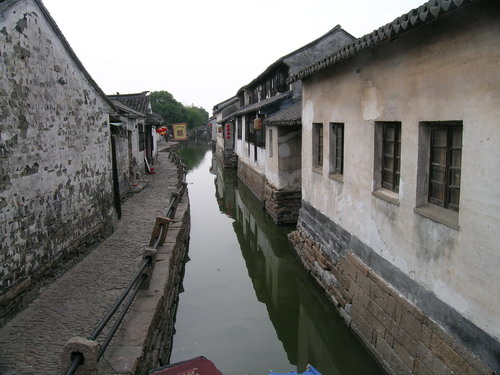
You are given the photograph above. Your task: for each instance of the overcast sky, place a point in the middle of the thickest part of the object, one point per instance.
(203, 51)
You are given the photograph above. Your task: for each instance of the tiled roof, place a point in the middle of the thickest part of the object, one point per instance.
(263, 103)
(123, 108)
(426, 13)
(290, 116)
(225, 103)
(230, 109)
(138, 102)
(336, 31)
(154, 119)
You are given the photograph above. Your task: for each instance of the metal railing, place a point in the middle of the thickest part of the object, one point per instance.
(141, 276)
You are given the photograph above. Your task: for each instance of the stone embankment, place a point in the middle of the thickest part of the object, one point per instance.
(69, 310)
(400, 336)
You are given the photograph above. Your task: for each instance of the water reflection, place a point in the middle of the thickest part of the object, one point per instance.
(193, 153)
(308, 326)
(257, 308)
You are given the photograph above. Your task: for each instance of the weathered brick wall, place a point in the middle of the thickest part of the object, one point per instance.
(55, 165)
(398, 333)
(282, 205)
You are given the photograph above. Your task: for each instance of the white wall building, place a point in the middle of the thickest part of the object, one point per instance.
(267, 127)
(400, 187)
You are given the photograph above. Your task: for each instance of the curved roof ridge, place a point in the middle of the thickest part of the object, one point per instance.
(425, 13)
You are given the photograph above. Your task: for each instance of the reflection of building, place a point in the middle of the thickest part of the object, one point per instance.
(270, 263)
(296, 306)
(225, 184)
(401, 206)
(325, 341)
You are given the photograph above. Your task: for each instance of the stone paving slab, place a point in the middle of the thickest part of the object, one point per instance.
(32, 342)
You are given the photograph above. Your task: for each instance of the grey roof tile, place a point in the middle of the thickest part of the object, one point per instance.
(263, 103)
(425, 13)
(138, 102)
(290, 116)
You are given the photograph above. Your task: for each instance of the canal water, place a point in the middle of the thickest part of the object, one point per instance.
(248, 305)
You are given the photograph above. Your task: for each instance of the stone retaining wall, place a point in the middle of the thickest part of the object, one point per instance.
(145, 337)
(228, 158)
(402, 338)
(254, 180)
(282, 205)
(159, 342)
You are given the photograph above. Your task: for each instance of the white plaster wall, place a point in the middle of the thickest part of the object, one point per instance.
(220, 137)
(155, 142)
(213, 130)
(283, 169)
(238, 146)
(246, 152)
(449, 71)
(272, 165)
(134, 140)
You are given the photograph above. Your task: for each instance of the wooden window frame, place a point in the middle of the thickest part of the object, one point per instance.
(240, 126)
(447, 168)
(271, 146)
(390, 172)
(260, 137)
(317, 146)
(337, 148)
(249, 131)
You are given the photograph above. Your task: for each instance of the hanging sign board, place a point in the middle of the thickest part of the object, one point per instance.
(180, 131)
(257, 124)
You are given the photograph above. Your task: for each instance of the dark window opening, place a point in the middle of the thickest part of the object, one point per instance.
(239, 125)
(317, 145)
(337, 148)
(445, 165)
(282, 86)
(391, 155)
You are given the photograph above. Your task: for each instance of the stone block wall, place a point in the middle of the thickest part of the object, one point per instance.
(158, 343)
(227, 158)
(282, 205)
(401, 337)
(254, 180)
(55, 158)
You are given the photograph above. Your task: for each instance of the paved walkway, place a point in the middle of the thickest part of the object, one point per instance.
(33, 341)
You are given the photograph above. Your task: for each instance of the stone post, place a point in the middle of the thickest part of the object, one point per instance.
(149, 252)
(90, 351)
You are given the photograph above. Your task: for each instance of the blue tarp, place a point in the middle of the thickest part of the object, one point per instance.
(309, 371)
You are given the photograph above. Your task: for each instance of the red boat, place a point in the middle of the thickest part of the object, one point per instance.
(194, 366)
(202, 366)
